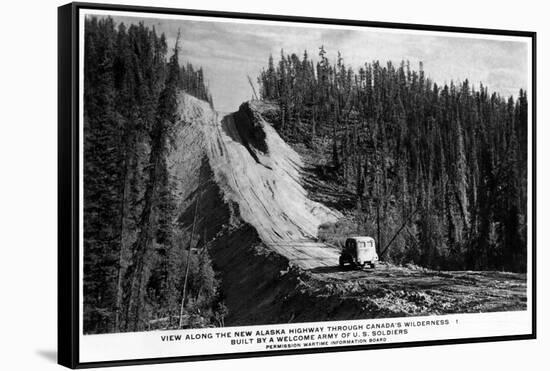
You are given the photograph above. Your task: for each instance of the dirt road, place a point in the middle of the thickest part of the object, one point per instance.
(308, 255)
(391, 290)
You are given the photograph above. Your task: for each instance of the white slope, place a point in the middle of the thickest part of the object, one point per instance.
(267, 188)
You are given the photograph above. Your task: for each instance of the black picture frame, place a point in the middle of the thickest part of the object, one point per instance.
(68, 180)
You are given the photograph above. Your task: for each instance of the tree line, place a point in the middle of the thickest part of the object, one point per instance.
(438, 174)
(136, 259)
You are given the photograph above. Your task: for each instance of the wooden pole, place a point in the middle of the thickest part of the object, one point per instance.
(407, 222)
(398, 231)
(252, 86)
(188, 261)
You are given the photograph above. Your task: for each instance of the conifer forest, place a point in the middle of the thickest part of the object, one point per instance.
(132, 267)
(445, 164)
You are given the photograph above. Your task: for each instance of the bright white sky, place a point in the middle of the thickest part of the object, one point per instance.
(229, 51)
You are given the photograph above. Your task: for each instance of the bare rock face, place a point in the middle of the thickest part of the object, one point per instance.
(251, 129)
(252, 206)
(254, 169)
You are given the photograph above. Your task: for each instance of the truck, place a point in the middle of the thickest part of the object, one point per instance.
(359, 252)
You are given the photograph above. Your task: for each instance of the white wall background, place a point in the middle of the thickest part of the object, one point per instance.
(28, 183)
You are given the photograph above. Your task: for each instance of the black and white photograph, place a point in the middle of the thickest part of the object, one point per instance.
(271, 185)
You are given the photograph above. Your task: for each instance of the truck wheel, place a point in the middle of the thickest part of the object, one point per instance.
(341, 261)
(373, 265)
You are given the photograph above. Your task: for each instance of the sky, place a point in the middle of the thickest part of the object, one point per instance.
(230, 50)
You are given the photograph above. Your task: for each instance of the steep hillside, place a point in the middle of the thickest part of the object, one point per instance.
(243, 172)
(252, 208)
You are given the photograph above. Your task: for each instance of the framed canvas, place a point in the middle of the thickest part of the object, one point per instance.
(238, 185)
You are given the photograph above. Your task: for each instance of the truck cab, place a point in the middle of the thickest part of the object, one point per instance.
(358, 252)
